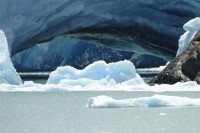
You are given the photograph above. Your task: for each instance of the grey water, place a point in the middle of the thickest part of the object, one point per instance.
(66, 112)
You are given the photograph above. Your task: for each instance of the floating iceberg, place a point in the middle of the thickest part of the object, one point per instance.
(191, 28)
(154, 101)
(122, 72)
(8, 73)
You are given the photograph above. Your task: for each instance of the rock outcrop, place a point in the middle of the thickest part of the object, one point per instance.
(184, 67)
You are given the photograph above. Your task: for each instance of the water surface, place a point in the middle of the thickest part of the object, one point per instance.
(66, 112)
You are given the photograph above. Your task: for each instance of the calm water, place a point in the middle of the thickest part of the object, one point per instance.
(66, 112)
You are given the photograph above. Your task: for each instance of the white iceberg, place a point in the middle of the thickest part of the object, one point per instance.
(122, 72)
(191, 28)
(8, 73)
(154, 101)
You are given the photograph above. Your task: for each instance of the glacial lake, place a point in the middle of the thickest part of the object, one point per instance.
(66, 112)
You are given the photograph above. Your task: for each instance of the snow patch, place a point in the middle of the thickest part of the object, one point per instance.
(154, 101)
(191, 28)
(98, 73)
(8, 73)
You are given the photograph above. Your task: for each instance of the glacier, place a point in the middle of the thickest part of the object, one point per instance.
(136, 31)
(148, 27)
(8, 74)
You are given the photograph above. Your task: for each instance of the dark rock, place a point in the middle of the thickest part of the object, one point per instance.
(197, 78)
(184, 67)
(198, 57)
(191, 67)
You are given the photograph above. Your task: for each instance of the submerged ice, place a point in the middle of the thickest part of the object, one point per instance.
(8, 73)
(153, 101)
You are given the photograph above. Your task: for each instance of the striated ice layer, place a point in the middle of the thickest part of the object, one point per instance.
(100, 72)
(8, 73)
(191, 28)
(153, 101)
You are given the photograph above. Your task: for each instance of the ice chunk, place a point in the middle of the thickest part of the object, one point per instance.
(191, 28)
(152, 70)
(162, 114)
(98, 73)
(192, 25)
(154, 101)
(8, 73)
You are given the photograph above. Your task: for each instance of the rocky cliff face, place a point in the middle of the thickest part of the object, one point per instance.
(184, 67)
(151, 27)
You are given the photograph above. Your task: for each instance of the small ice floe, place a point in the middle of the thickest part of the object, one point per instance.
(162, 114)
(153, 101)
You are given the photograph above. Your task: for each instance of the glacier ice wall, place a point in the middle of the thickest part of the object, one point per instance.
(8, 73)
(151, 27)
